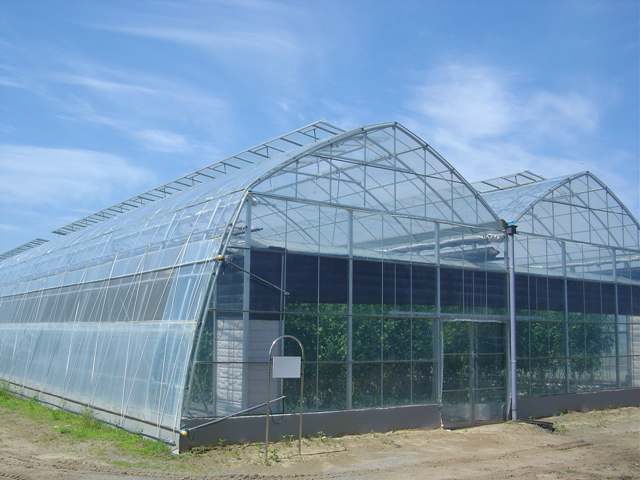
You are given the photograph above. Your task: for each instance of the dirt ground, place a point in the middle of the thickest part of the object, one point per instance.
(593, 445)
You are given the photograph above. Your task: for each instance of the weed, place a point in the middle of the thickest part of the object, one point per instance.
(321, 437)
(81, 427)
(560, 428)
(273, 456)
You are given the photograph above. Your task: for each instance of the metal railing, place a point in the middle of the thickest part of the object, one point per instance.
(185, 431)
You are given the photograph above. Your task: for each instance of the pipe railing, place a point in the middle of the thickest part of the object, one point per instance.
(185, 431)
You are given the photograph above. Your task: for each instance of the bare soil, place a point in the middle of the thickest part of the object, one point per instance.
(591, 445)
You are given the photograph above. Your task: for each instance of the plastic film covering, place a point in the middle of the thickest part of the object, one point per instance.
(383, 168)
(106, 316)
(578, 207)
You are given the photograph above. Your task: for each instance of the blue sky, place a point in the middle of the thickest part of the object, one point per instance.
(102, 100)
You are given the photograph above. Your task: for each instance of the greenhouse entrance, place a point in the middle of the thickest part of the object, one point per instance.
(474, 372)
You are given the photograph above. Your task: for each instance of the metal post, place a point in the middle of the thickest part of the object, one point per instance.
(439, 344)
(301, 405)
(246, 298)
(350, 316)
(614, 259)
(563, 246)
(510, 230)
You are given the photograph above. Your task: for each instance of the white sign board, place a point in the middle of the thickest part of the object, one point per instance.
(286, 367)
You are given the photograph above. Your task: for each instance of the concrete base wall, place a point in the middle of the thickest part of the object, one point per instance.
(547, 406)
(252, 428)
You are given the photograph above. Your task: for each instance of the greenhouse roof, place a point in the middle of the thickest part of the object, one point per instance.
(322, 162)
(300, 137)
(379, 168)
(577, 207)
(511, 202)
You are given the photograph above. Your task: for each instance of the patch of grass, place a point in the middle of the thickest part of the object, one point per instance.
(81, 427)
(273, 456)
(560, 428)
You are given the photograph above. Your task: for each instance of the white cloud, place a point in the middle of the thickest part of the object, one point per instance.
(33, 175)
(101, 84)
(473, 101)
(10, 83)
(115, 84)
(476, 101)
(148, 109)
(275, 43)
(268, 39)
(489, 122)
(7, 227)
(162, 140)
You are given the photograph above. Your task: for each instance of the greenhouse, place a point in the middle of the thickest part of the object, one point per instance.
(404, 282)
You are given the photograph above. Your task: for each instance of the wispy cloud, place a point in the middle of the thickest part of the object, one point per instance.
(162, 140)
(104, 85)
(262, 41)
(9, 82)
(150, 110)
(488, 122)
(34, 175)
(272, 40)
(7, 227)
(480, 102)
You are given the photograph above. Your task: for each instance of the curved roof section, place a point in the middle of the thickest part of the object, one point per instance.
(297, 138)
(381, 167)
(186, 226)
(511, 203)
(576, 207)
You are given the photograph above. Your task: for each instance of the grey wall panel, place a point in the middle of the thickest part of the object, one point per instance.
(251, 428)
(546, 406)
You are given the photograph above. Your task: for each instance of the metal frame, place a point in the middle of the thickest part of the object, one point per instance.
(526, 177)
(312, 132)
(329, 158)
(496, 198)
(23, 248)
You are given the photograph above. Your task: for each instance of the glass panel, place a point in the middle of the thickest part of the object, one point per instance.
(332, 337)
(367, 338)
(367, 378)
(332, 386)
(423, 373)
(396, 339)
(396, 383)
(422, 339)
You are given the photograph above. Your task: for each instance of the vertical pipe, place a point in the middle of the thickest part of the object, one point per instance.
(439, 353)
(246, 297)
(616, 313)
(350, 315)
(511, 230)
(268, 412)
(301, 396)
(563, 246)
(214, 367)
(473, 351)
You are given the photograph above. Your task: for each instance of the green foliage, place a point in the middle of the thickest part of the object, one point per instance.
(322, 330)
(542, 355)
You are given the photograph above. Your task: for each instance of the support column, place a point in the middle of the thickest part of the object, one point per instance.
(615, 286)
(438, 343)
(246, 297)
(510, 230)
(350, 314)
(563, 246)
